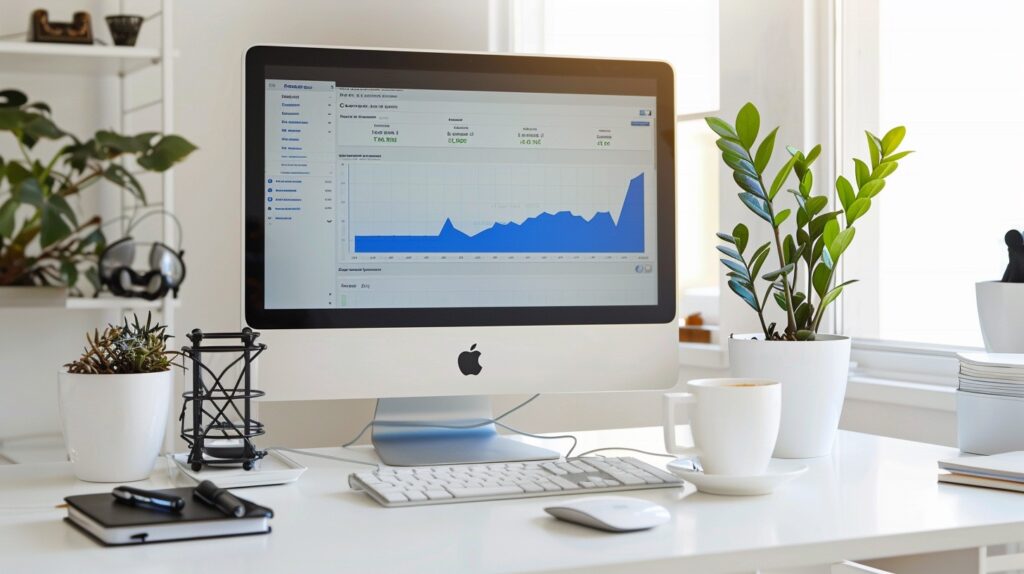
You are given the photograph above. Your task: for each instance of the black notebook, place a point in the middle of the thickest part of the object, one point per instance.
(113, 523)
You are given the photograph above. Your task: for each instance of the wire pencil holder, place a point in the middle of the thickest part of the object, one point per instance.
(222, 429)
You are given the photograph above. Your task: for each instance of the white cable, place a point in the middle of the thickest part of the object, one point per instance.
(327, 456)
(647, 452)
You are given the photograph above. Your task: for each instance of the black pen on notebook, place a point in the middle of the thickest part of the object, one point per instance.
(149, 498)
(219, 498)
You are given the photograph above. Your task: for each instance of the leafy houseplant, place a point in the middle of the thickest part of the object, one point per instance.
(114, 401)
(43, 241)
(802, 283)
(812, 367)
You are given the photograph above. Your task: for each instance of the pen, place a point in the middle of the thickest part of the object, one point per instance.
(152, 498)
(220, 499)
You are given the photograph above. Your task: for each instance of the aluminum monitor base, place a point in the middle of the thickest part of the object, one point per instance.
(406, 433)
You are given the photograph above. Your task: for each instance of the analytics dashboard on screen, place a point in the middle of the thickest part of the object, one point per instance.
(429, 198)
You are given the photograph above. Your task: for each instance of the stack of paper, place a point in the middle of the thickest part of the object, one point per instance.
(1004, 471)
(1000, 374)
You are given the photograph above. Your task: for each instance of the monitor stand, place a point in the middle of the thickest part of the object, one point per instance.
(403, 435)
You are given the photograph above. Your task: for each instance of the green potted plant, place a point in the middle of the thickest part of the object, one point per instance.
(43, 241)
(114, 401)
(794, 272)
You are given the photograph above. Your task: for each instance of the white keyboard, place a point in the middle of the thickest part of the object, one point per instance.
(414, 486)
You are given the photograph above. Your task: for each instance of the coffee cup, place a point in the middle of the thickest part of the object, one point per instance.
(734, 423)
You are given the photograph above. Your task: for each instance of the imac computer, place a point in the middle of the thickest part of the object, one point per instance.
(429, 229)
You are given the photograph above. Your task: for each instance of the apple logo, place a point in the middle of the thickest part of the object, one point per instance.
(469, 361)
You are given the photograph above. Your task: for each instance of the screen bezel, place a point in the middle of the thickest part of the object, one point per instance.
(526, 72)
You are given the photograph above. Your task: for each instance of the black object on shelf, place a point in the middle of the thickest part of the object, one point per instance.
(222, 428)
(124, 28)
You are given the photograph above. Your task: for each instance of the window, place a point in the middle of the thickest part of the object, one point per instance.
(686, 35)
(950, 72)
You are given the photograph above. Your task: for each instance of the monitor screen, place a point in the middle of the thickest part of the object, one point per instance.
(397, 188)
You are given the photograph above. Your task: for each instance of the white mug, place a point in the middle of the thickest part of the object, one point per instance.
(734, 423)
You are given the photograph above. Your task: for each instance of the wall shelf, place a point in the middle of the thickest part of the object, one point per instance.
(87, 59)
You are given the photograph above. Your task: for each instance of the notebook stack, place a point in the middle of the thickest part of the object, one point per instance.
(1003, 471)
(990, 402)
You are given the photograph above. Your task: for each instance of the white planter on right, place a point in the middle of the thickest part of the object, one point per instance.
(813, 377)
(1001, 314)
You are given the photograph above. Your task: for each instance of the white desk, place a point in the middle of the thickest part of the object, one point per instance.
(874, 497)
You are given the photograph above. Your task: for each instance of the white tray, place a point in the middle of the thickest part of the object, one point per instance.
(275, 468)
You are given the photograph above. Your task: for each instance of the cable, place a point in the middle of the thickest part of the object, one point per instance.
(550, 437)
(647, 452)
(441, 426)
(327, 456)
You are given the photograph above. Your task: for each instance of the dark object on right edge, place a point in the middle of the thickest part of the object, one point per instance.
(1015, 269)
(77, 31)
(124, 29)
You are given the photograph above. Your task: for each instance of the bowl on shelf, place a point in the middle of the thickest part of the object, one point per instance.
(124, 28)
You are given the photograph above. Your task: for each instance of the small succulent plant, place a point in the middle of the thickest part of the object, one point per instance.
(129, 348)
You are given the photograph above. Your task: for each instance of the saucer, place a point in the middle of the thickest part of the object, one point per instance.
(779, 472)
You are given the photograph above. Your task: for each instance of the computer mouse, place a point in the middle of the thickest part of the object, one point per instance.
(611, 513)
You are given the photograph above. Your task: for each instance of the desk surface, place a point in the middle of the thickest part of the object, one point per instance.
(873, 497)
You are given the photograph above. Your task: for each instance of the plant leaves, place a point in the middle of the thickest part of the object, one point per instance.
(862, 172)
(804, 335)
(873, 149)
(748, 122)
(781, 217)
(892, 139)
(62, 207)
(168, 150)
(805, 184)
(764, 151)
(120, 143)
(884, 169)
(845, 191)
(817, 224)
(829, 298)
(800, 200)
(54, 228)
(812, 155)
(773, 275)
(729, 251)
(899, 156)
(871, 188)
(826, 258)
(7, 211)
(28, 191)
(739, 165)
(726, 237)
(744, 293)
(116, 173)
(12, 99)
(740, 233)
(829, 232)
(748, 183)
(780, 177)
(756, 205)
(841, 241)
(758, 258)
(736, 267)
(802, 313)
(816, 204)
(733, 147)
(820, 279)
(857, 209)
(722, 128)
(68, 272)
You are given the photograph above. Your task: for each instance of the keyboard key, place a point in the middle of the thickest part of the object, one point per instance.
(554, 469)
(415, 496)
(437, 494)
(565, 484)
(487, 491)
(393, 496)
(529, 487)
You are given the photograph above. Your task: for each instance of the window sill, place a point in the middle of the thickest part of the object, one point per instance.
(907, 394)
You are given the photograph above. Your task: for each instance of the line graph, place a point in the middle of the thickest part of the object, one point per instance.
(560, 232)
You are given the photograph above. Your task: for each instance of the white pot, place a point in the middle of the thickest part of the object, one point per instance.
(1001, 314)
(114, 424)
(813, 376)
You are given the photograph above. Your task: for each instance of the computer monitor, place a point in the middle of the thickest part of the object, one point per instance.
(430, 229)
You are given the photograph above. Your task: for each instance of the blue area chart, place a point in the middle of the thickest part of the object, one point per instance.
(562, 232)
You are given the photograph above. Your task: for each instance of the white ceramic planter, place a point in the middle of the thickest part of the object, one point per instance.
(1001, 314)
(813, 376)
(114, 424)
